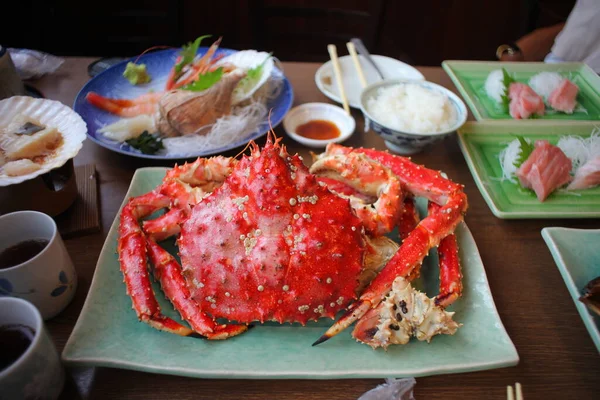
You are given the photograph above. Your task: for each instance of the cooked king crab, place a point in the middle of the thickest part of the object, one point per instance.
(265, 238)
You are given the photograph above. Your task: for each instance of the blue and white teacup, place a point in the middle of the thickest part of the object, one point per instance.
(48, 280)
(37, 373)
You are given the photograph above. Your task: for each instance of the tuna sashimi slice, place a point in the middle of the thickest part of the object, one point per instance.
(563, 98)
(546, 169)
(524, 101)
(587, 176)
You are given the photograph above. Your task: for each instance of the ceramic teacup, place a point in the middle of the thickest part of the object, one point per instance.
(47, 280)
(37, 373)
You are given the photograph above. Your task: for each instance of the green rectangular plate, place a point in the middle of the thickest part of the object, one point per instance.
(469, 77)
(482, 142)
(108, 333)
(577, 256)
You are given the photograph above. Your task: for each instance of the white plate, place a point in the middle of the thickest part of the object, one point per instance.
(310, 111)
(391, 69)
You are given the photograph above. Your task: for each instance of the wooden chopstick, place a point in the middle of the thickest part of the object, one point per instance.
(338, 75)
(510, 395)
(359, 70)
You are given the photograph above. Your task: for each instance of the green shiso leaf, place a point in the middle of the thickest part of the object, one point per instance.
(526, 150)
(506, 80)
(146, 143)
(136, 74)
(205, 81)
(188, 53)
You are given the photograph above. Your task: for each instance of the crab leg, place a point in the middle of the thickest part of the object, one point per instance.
(450, 276)
(418, 180)
(165, 226)
(145, 104)
(370, 178)
(409, 218)
(132, 257)
(428, 233)
(168, 272)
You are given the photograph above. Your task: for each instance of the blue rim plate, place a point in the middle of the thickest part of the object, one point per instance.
(111, 83)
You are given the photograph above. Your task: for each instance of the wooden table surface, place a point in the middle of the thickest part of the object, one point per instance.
(557, 357)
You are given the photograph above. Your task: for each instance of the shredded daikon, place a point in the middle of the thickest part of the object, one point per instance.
(240, 124)
(507, 157)
(580, 150)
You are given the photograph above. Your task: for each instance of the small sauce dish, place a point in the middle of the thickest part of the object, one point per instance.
(317, 118)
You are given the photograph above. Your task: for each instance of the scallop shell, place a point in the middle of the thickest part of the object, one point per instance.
(50, 113)
(248, 59)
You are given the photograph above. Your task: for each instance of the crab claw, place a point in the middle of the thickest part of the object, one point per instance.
(355, 311)
(427, 234)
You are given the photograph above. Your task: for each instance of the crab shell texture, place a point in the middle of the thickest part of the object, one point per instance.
(271, 243)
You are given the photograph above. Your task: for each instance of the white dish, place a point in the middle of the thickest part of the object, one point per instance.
(249, 59)
(391, 69)
(50, 113)
(315, 111)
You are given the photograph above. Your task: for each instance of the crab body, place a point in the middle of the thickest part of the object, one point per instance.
(272, 244)
(265, 238)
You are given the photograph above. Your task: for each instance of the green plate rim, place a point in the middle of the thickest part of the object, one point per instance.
(549, 234)
(449, 65)
(485, 191)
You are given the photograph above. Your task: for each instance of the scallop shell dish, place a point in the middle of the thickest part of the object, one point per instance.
(36, 136)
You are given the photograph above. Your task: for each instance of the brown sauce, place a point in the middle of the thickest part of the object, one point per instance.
(319, 129)
(21, 252)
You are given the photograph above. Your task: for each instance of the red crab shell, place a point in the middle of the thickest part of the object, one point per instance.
(272, 244)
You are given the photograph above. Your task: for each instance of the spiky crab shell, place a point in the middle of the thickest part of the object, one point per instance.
(272, 244)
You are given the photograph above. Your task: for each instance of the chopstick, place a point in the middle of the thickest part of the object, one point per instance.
(352, 51)
(338, 75)
(510, 395)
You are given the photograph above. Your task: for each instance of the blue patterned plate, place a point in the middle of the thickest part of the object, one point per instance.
(111, 83)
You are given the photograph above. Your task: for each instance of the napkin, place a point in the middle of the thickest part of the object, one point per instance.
(392, 389)
(33, 64)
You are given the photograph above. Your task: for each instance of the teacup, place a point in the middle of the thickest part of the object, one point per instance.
(36, 373)
(48, 278)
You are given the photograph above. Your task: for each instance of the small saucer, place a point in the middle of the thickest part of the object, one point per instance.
(318, 111)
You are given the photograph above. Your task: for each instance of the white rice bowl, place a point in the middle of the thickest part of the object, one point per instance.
(410, 107)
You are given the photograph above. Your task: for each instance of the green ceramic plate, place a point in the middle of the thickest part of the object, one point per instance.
(108, 334)
(482, 142)
(469, 77)
(577, 256)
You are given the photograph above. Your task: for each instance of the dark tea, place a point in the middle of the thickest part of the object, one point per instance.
(14, 341)
(21, 252)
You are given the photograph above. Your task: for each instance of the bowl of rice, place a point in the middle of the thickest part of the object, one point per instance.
(410, 115)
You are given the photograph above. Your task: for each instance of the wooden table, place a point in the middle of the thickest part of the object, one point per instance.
(558, 358)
